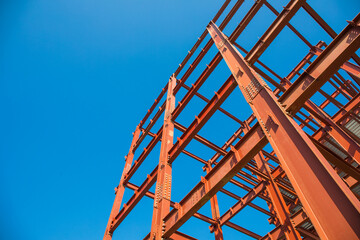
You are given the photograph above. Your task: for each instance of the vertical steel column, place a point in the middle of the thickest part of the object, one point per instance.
(162, 199)
(119, 190)
(329, 203)
(277, 201)
(215, 212)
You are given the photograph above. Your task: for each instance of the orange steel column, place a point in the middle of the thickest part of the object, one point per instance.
(119, 190)
(215, 212)
(162, 198)
(331, 206)
(277, 201)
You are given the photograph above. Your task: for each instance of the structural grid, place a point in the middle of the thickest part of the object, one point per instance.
(278, 137)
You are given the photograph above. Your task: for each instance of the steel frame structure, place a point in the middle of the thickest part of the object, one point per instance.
(310, 177)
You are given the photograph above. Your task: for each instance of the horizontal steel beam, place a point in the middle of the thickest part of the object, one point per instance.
(203, 217)
(143, 156)
(143, 189)
(275, 28)
(297, 154)
(323, 67)
(176, 236)
(176, 218)
(242, 203)
(219, 175)
(203, 117)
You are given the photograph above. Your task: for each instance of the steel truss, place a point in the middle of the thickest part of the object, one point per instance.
(310, 177)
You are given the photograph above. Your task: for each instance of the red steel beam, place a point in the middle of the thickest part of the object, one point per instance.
(200, 39)
(297, 219)
(186, 59)
(280, 22)
(201, 139)
(331, 127)
(260, 47)
(119, 191)
(346, 109)
(190, 69)
(181, 236)
(334, 159)
(290, 142)
(197, 60)
(215, 213)
(331, 157)
(246, 20)
(176, 236)
(237, 183)
(216, 60)
(143, 155)
(143, 189)
(163, 184)
(260, 209)
(243, 230)
(323, 67)
(301, 64)
(335, 131)
(291, 27)
(150, 125)
(205, 218)
(349, 67)
(227, 144)
(277, 201)
(173, 204)
(203, 117)
(325, 26)
(156, 102)
(220, 109)
(241, 204)
(219, 175)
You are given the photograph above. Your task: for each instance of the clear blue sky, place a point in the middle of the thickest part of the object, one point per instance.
(76, 77)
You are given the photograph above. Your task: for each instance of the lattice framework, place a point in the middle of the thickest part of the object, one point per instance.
(309, 177)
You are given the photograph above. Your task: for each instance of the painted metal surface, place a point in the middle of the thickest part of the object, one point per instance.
(309, 179)
(320, 184)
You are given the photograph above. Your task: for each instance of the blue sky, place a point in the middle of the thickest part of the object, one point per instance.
(76, 77)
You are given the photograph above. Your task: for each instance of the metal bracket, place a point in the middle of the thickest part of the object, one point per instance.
(253, 88)
(167, 187)
(158, 195)
(221, 43)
